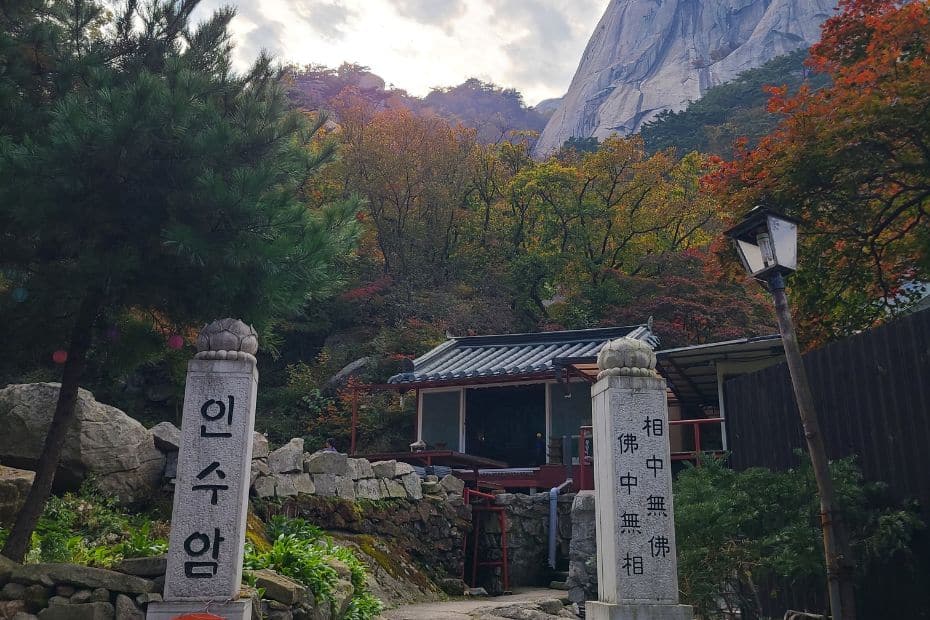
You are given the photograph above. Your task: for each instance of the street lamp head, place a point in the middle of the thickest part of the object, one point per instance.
(767, 243)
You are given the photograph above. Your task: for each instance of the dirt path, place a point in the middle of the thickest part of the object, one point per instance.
(461, 609)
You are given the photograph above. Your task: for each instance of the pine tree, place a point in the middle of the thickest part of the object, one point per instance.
(139, 173)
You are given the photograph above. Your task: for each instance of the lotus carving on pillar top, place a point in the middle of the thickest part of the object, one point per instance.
(227, 339)
(626, 357)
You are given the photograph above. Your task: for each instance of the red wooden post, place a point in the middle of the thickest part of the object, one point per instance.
(697, 444)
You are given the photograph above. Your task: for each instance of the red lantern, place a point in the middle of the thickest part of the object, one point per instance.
(60, 356)
(176, 341)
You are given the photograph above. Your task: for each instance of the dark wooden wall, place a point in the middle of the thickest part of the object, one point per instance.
(872, 394)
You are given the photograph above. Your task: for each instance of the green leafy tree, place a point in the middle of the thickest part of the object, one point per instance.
(139, 174)
(742, 535)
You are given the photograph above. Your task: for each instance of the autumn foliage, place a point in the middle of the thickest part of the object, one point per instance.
(852, 160)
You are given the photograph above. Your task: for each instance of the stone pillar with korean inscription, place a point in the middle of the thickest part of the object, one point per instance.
(211, 493)
(637, 566)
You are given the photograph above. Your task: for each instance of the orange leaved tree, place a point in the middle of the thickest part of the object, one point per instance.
(852, 160)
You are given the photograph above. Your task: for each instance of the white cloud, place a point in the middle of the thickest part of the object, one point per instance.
(531, 45)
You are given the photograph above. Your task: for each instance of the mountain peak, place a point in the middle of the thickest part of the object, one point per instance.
(646, 56)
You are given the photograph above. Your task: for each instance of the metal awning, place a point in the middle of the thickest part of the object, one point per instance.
(691, 372)
(512, 356)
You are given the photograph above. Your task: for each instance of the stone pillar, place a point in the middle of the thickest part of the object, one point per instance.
(211, 493)
(637, 565)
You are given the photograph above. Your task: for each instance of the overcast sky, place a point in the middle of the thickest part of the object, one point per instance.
(531, 45)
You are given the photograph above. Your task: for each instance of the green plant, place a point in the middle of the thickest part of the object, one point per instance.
(88, 527)
(141, 543)
(741, 534)
(304, 553)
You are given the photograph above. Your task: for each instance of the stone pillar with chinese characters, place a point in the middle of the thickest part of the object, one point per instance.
(637, 566)
(211, 493)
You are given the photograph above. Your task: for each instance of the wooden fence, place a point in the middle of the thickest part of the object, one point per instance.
(872, 393)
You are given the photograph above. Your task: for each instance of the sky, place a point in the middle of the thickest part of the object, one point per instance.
(531, 45)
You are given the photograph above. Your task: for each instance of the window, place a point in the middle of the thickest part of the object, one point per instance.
(439, 424)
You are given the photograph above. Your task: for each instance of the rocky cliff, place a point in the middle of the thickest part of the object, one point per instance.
(646, 56)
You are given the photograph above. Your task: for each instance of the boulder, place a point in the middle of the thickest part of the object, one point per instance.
(81, 576)
(11, 609)
(432, 488)
(144, 599)
(347, 371)
(126, 609)
(325, 484)
(368, 488)
(259, 446)
(171, 465)
(402, 469)
(102, 441)
(345, 488)
(259, 468)
(279, 588)
(324, 462)
(14, 486)
(167, 437)
(393, 488)
(289, 458)
(360, 469)
(264, 486)
(12, 591)
(84, 611)
(412, 486)
(82, 596)
(143, 567)
(452, 484)
(289, 485)
(7, 566)
(384, 469)
(341, 596)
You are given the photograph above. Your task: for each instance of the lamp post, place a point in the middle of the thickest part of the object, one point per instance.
(767, 244)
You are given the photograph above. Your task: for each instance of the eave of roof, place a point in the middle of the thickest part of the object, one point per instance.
(691, 371)
(510, 357)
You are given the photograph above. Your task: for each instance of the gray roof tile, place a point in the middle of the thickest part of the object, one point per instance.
(512, 355)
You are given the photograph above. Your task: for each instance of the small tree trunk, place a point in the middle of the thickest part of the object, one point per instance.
(17, 545)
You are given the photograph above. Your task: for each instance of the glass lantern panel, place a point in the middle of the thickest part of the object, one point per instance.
(751, 255)
(785, 241)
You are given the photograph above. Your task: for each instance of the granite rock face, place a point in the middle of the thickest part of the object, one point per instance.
(14, 486)
(103, 441)
(646, 56)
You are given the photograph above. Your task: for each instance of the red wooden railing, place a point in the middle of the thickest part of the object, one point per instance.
(585, 480)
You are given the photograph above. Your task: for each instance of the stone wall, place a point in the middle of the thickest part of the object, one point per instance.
(582, 567)
(527, 539)
(415, 520)
(71, 592)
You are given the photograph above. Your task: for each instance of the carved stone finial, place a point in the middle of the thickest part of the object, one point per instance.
(227, 339)
(626, 357)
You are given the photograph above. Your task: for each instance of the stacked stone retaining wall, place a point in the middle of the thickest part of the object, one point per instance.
(527, 539)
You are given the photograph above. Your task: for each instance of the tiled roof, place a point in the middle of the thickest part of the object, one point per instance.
(512, 355)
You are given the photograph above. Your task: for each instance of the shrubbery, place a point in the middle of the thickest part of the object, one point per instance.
(744, 536)
(304, 553)
(87, 527)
